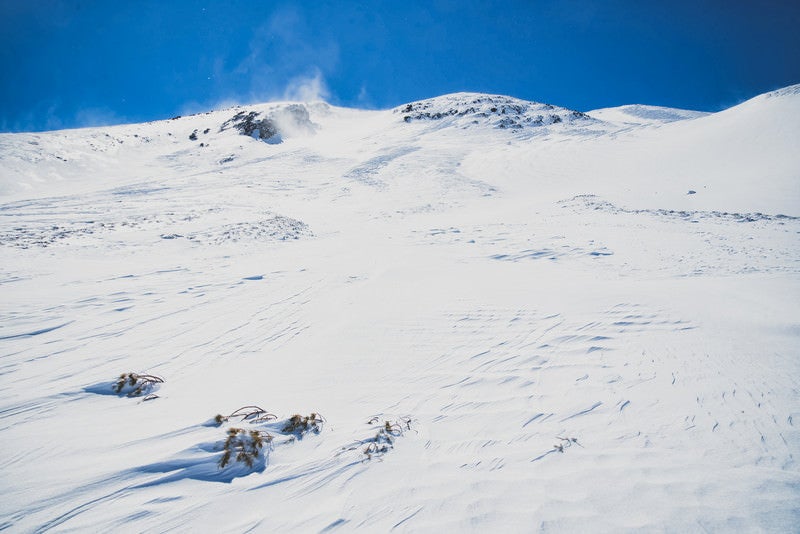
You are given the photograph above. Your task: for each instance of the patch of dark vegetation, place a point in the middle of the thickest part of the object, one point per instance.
(252, 446)
(244, 446)
(136, 385)
(299, 425)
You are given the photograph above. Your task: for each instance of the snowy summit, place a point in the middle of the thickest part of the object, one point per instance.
(468, 313)
(464, 109)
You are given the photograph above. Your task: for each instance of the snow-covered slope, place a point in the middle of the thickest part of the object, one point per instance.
(740, 160)
(640, 115)
(584, 324)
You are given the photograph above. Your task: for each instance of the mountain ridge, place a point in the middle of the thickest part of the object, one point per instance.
(49, 162)
(458, 104)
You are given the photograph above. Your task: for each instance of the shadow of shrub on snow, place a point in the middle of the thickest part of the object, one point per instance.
(129, 385)
(201, 462)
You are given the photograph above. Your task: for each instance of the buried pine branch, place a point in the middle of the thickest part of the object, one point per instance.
(564, 444)
(135, 385)
(396, 426)
(254, 414)
(570, 441)
(383, 440)
(380, 445)
(251, 414)
(393, 428)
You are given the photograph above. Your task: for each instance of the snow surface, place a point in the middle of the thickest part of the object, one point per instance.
(588, 324)
(638, 114)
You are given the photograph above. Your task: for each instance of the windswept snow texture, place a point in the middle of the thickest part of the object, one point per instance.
(508, 322)
(641, 115)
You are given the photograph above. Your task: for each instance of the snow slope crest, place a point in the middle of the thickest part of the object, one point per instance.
(792, 90)
(644, 115)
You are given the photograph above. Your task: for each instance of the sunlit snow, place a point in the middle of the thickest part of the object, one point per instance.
(509, 316)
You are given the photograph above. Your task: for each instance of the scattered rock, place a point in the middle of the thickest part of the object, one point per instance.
(501, 112)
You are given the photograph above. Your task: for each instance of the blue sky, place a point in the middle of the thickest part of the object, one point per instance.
(69, 63)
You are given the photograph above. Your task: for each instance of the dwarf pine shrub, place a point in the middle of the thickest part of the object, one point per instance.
(244, 446)
(384, 438)
(300, 424)
(136, 384)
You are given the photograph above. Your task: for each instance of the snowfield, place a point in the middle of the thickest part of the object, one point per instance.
(494, 314)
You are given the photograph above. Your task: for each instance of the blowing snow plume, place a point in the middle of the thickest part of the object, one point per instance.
(288, 120)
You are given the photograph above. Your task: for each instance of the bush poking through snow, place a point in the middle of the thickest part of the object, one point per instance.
(395, 428)
(383, 440)
(251, 414)
(300, 424)
(247, 446)
(380, 444)
(244, 446)
(135, 385)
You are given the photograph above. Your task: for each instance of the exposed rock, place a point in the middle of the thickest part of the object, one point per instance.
(248, 124)
(498, 111)
(292, 119)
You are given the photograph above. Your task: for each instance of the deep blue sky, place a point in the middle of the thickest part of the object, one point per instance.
(68, 63)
